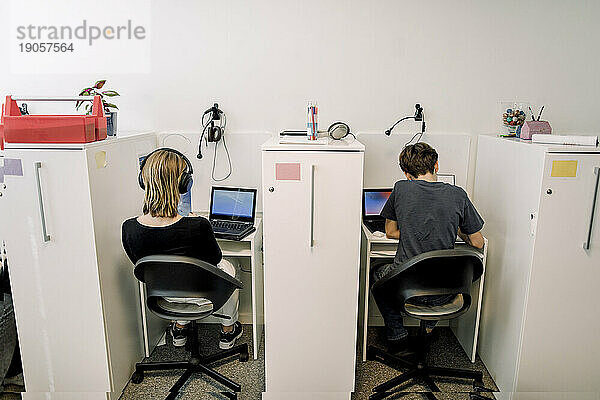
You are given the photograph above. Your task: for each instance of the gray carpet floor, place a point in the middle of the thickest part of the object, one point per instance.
(445, 352)
(11, 393)
(249, 374)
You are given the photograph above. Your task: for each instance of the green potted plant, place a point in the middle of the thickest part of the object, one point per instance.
(109, 108)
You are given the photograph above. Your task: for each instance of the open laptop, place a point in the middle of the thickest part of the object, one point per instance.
(373, 202)
(232, 212)
(447, 178)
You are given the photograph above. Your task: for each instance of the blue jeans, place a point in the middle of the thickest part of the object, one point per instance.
(394, 324)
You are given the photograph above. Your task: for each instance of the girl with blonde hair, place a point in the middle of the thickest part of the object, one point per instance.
(165, 173)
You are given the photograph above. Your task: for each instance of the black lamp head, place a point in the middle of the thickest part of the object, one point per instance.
(418, 112)
(216, 112)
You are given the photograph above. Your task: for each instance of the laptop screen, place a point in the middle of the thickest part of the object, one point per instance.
(374, 200)
(233, 204)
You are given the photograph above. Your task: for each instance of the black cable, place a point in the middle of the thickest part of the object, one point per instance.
(420, 134)
(204, 130)
(419, 116)
(199, 156)
(389, 131)
(222, 125)
(353, 135)
(215, 162)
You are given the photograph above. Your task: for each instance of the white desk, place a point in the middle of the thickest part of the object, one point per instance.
(249, 247)
(466, 327)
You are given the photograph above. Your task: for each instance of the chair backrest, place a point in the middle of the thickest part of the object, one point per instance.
(439, 272)
(183, 277)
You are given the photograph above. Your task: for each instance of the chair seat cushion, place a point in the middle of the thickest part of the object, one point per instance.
(452, 307)
(184, 305)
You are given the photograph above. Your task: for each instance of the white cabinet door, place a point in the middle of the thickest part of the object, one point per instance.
(116, 197)
(560, 347)
(312, 245)
(54, 274)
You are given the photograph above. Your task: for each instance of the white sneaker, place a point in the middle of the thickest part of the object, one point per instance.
(227, 340)
(179, 335)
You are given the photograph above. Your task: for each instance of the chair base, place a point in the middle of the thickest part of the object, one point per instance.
(196, 364)
(419, 371)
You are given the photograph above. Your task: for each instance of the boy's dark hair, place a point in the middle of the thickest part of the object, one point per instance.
(418, 159)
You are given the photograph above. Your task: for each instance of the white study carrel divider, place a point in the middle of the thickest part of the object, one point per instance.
(381, 157)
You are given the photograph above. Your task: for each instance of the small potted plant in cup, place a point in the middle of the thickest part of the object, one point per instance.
(109, 108)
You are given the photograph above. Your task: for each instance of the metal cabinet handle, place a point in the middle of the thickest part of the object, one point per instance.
(45, 236)
(586, 244)
(312, 205)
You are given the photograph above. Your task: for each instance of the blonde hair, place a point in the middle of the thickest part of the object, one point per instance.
(161, 175)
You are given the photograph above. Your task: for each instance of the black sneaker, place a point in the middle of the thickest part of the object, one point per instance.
(401, 346)
(179, 335)
(228, 339)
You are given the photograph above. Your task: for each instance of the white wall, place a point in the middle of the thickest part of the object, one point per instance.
(366, 62)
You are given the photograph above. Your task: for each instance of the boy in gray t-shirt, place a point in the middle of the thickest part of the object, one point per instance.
(424, 215)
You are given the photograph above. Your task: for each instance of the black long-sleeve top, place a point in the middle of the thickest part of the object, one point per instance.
(190, 236)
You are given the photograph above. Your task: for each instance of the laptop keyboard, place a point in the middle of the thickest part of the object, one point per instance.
(228, 226)
(376, 226)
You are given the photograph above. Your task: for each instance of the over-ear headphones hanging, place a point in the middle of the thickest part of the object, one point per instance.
(214, 132)
(186, 177)
(339, 130)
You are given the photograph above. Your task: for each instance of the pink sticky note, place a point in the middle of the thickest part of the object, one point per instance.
(287, 171)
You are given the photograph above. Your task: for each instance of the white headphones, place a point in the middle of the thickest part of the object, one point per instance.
(339, 130)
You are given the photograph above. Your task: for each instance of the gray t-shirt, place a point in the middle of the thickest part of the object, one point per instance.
(429, 215)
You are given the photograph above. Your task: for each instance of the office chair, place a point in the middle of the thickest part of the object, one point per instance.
(179, 276)
(440, 272)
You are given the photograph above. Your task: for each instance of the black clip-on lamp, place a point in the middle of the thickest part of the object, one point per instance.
(417, 117)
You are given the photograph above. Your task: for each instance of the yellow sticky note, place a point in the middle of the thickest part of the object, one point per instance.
(564, 168)
(101, 159)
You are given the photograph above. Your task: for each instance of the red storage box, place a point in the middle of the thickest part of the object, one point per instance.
(100, 130)
(2, 129)
(20, 128)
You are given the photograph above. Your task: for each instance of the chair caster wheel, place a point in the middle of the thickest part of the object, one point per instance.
(244, 357)
(137, 377)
